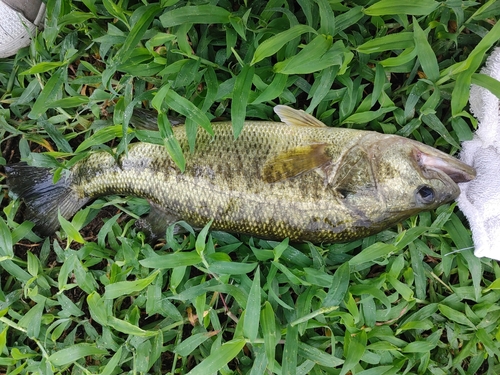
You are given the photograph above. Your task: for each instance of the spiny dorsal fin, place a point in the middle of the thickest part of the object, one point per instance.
(295, 161)
(297, 117)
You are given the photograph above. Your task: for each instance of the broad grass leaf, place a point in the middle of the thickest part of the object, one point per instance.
(141, 20)
(319, 356)
(423, 325)
(192, 342)
(290, 351)
(33, 264)
(403, 59)
(128, 328)
(354, 348)
(252, 312)
(43, 67)
(201, 240)
(122, 288)
(13, 269)
(186, 108)
(467, 68)
(322, 86)
(272, 45)
(270, 332)
(435, 124)
(171, 143)
(99, 308)
(490, 345)
(219, 358)
(378, 83)
(6, 249)
(388, 43)
(74, 353)
(204, 14)
(455, 316)
(51, 92)
(260, 363)
(172, 260)
(487, 82)
(349, 18)
(70, 229)
(232, 268)
(32, 320)
(365, 117)
(338, 288)
(273, 90)
(419, 347)
(100, 137)
(409, 7)
(112, 364)
(241, 93)
(426, 55)
(317, 55)
(371, 253)
(327, 17)
(70, 102)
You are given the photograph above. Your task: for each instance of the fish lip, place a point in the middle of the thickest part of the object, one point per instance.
(443, 163)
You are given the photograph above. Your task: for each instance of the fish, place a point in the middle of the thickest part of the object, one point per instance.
(296, 179)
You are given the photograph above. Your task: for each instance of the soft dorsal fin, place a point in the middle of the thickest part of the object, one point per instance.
(295, 161)
(297, 117)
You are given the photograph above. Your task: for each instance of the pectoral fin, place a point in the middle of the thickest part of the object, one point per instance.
(295, 161)
(296, 117)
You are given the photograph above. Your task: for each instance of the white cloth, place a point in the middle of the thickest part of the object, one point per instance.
(480, 198)
(15, 31)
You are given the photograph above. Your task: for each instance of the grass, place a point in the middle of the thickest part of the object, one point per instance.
(96, 299)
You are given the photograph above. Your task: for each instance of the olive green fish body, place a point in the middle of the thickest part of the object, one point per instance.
(296, 179)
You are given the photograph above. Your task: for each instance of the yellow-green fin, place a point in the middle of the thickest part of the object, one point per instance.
(297, 117)
(295, 161)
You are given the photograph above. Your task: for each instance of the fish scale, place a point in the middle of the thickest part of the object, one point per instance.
(297, 178)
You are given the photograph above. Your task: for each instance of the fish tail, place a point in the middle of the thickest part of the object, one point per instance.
(44, 199)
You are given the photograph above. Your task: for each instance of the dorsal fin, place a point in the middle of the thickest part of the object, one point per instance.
(297, 117)
(295, 161)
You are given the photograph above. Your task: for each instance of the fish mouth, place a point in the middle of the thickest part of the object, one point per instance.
(434, 161)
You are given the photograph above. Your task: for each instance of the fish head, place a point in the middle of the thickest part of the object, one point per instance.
(413, 177)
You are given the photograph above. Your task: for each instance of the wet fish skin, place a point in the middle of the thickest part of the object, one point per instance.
(296, 179)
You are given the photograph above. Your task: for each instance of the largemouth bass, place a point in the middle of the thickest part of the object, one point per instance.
(297, 178)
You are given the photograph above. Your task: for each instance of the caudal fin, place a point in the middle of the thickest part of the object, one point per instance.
(42, 197)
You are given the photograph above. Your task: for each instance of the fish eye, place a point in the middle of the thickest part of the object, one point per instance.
(425, 194)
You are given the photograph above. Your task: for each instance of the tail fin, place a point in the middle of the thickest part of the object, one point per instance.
(42, 197)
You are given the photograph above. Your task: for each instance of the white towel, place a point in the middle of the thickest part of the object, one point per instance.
(480, 198)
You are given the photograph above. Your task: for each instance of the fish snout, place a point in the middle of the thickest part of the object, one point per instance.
(440, 162)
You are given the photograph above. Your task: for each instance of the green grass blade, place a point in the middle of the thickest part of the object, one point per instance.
(338, 288)
(122, 288)
(172, 260)
(387, 43)
(141, 20)
(487, 82)
(187, 346)
(276, 42)
(50, 93)
(6, 249)
(290, 351)
(209, 14)
(426, 55)
(252, 311)
(409, 7)
(74, 353)
(218, 358)
(269, 332)
(241, 94)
